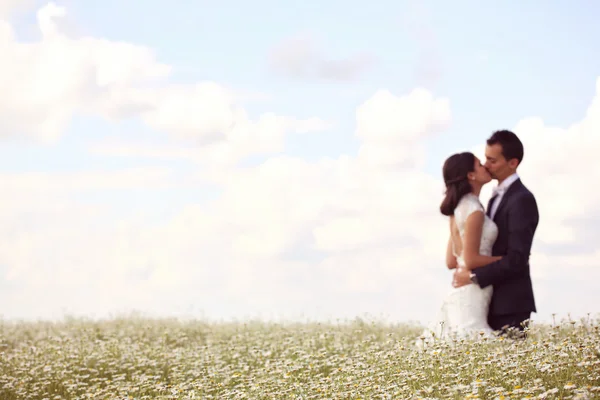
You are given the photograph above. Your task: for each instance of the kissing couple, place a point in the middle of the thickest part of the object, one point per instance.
(489, 248)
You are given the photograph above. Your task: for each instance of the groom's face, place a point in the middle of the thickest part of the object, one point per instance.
(495, 162)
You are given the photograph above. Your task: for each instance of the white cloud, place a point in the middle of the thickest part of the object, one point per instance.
(391, 127)
(248, 248)
(333, 237)
(123, 178)
(207, 116)
(7, 7)
(45, 83)
(361, 236)
(217, 149)
(202, 111)
(299, 57)
(54, 241)
(329, 238)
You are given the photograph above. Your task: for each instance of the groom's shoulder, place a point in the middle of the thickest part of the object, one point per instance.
(524, 190)
(524, 196)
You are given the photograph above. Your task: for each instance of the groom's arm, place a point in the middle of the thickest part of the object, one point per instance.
(522, 221)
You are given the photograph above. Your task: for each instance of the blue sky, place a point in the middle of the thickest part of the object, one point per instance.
(496, 65)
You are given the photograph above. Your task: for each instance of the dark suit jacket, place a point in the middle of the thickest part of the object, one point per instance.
(517, 219)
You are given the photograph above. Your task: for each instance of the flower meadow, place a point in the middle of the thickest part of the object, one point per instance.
(143, 358)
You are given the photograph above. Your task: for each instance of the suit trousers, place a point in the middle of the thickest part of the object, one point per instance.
(510, 324)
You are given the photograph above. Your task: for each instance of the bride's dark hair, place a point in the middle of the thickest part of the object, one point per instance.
(455, 171)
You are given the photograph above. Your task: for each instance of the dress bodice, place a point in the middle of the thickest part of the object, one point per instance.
(468, 204)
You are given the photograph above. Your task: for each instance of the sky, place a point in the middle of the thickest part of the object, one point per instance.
(252, 160)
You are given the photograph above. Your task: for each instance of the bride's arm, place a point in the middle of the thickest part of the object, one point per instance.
(473, 230)
(450, 258)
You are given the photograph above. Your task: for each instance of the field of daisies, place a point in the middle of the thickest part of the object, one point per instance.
(138, 358)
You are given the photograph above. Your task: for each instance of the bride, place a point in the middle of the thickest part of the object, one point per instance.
(472, 235)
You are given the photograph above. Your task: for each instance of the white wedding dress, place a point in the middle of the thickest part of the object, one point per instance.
(463, 314)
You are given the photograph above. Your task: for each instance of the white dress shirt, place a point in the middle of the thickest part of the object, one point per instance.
(500, 190)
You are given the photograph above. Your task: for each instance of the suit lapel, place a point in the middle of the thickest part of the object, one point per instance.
(488, 211)
(515, 185)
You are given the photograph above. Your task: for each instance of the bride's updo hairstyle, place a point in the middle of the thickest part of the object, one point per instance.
(456, 168)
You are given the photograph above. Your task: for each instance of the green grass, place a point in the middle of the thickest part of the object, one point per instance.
(141, 358)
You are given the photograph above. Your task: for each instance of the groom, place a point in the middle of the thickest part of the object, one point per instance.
(514, 210)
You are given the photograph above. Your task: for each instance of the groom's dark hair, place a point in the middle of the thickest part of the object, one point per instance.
(455, 171)
(510, 142)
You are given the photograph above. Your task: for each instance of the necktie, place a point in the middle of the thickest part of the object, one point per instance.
(498, 191)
